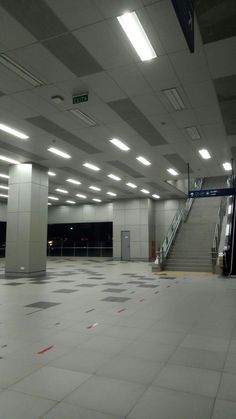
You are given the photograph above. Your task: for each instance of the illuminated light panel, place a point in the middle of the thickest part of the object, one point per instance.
(94, 188)
(111, 194)
(119, 144)
(172, 172)
(136, 34)
(70, 202)
(114, 177)
(61, 190)
(204, 153)
(227, 166)
(230, 208)
(96, 200)
(144, 161)
(76, 182)
(4, 187)
(227, 231)
(13, 132)
(131, 185)
(4, 176)
(9, 160)
(145, 191)
(81, 196)
(54, 198)
(59, 153)
(51, 174)
(174, 98)
(3, 196)
(91, 166)
(49, 203)
(156, 196)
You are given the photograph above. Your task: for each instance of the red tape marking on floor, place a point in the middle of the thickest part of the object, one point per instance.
(142, 299)
(121, 311)
(45, 350)
(92, 326)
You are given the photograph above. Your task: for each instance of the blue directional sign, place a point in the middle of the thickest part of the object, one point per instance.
(184, 10)
(211, 193)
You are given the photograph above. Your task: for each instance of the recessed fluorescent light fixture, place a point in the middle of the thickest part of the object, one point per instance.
(8, 160)
(14, 132)
(59, 152)
(230, 208)
(193, 133)
(3, 196)
(91, 166)
(145, 191)
(156, 196)
(111, 194)
(54, 198)
(20, 71)
(143, 161)
(76, 182)
(114, 177)
(227, 229)
(97, 200)
(227, 166)
(61, 190)
(174, 98)
(4, 187)
(49, 203)
(84, 117)
(172, 172)
(119, 144)
(131, 185)
(70, 202)
(81, 196)
(4, 176)
(51, 174)
(204, 153)
(132, 27)
(94, 188)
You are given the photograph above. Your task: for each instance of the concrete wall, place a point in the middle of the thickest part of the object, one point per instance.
(164, 214)
(3, 211)
(80, 214)
(131, 215)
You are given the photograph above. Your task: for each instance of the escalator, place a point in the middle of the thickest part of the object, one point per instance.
(229, 253)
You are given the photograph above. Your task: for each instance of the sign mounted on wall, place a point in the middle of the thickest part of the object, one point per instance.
(83, 97)
(184, 10)
(211, 193)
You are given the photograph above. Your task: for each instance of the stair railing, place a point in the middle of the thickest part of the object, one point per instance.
(217, 232)
(180, 216)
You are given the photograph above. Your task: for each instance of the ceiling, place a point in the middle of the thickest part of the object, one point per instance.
(76, 46)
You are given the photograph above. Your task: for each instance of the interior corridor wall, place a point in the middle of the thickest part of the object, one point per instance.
(164, 214)
(80, 214)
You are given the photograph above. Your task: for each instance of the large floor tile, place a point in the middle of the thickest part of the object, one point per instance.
(51, 383)
(187, 379)
(147, 350)
(159, 403)
(69, 411)
(107, 395)
(198, 358)
(224, 410)
(131, 369)
(207, 343)
(22, 406)
(227, 390)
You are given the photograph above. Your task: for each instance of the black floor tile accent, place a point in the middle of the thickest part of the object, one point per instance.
(65, 280)
(169, 277)
(148, 286)
(116, 299)
(114, 290)
(136, 282)
(112, 283)
(96, 277)
(64, 291)
(87, 285)
(14, 283)
(42, 304)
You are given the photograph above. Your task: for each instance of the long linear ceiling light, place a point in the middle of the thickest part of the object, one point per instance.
(13, 131)
(59, 152)
(174, 98)
(134, 30)
(84, 117)
(119, 144)
(20, 71)
(8, 160)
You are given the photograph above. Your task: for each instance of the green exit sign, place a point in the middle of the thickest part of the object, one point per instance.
(80, 98)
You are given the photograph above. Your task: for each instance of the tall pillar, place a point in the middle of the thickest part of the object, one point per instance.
(27, 211)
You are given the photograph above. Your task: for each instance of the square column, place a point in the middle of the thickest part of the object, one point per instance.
(27, 212)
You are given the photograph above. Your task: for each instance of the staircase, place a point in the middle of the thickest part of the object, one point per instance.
(191, 250)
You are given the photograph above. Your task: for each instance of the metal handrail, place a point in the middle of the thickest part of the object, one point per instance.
(217, 231)
(180, 216)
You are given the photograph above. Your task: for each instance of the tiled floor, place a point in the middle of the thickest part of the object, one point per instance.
(165, 348)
